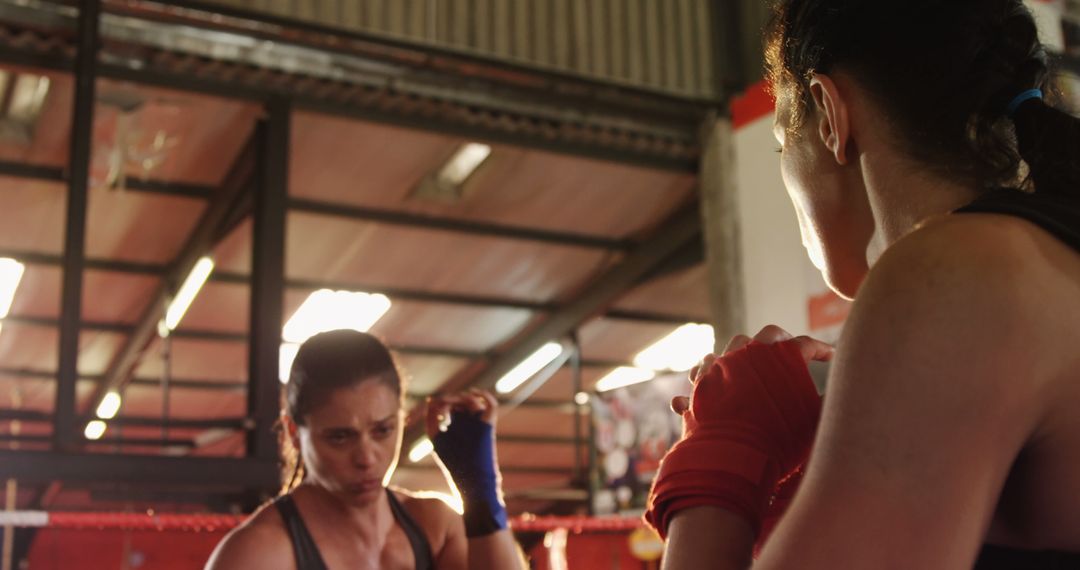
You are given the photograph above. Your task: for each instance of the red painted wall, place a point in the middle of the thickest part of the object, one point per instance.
(105, 549)
(607, 551)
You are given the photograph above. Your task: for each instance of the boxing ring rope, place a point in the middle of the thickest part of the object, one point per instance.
(214, 522)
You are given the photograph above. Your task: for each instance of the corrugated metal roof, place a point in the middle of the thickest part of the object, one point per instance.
(346, 162)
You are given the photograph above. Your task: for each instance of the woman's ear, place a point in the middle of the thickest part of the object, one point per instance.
(834, 125)
(291, 430)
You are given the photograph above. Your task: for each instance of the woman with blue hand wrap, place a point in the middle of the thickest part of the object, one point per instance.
(462, 427)
(466, 450)
(342, 426)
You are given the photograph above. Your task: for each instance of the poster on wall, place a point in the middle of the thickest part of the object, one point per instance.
(634, 427)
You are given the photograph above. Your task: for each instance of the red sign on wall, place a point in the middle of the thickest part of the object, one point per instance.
(827, 310)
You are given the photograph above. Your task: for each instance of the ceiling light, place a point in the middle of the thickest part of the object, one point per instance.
(28, 97)
(463, 164)
(528, 367)
(624, 376)
(109, 405)
(11, 273)
(678, 351)
(581, 398)
(420, 450)
(21, 109)
(326, 310)
(95, 429)
(286, 356)
(194, 282)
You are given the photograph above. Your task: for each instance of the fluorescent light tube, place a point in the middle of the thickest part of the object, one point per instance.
(95, 429)
(528, 367)
(184, 297)
(28, 97)
(109, 405)
(678, 351)
(420, 450)
(624, 376)
(11, 273)
(326, 310)
(462, 165)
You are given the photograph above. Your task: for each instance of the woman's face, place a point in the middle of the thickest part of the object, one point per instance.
(830, 201)
(351, 442)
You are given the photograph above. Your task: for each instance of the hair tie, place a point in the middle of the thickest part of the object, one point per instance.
(1019, 100)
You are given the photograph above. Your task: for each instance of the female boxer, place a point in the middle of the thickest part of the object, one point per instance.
(938, 188)
(342, 434)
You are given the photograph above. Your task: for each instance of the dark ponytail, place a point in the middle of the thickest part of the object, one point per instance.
(944, 72)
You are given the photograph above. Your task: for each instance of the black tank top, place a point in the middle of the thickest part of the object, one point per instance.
(307, 553)
(1060, 216)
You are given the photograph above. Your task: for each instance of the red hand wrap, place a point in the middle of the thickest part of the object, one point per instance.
(750, 424)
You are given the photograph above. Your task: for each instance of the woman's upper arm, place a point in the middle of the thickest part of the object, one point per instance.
(454, 554)
(932, 394)
(252, 547)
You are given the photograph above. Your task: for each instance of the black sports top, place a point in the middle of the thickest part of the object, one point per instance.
(307, 552)
(1060, 216)
(1056, 214)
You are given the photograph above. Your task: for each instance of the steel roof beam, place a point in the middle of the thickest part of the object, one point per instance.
(49, 173)
(146, 441)
(43, 467)
(436, 223)
(677, 231)
(193, 334)
(199, 243)
(664, 142)
(38, 416)
(347, 211)
(464, 61)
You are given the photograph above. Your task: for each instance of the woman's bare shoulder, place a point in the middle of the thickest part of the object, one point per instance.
(425, 505)
(965, 305)
(442, 525)
(992, 240)
(260, 542)
(1026, 277)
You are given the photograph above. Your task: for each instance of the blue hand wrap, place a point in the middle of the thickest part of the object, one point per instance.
(467, 450)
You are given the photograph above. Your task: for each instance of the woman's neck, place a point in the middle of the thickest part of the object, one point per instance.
(903, 196)
(371, 522)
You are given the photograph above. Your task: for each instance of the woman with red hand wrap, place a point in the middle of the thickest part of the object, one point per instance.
(748, 426)
(935, 186)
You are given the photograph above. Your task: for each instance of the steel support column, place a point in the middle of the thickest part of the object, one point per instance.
(575, 372)
(268, 278)
(82, 125)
